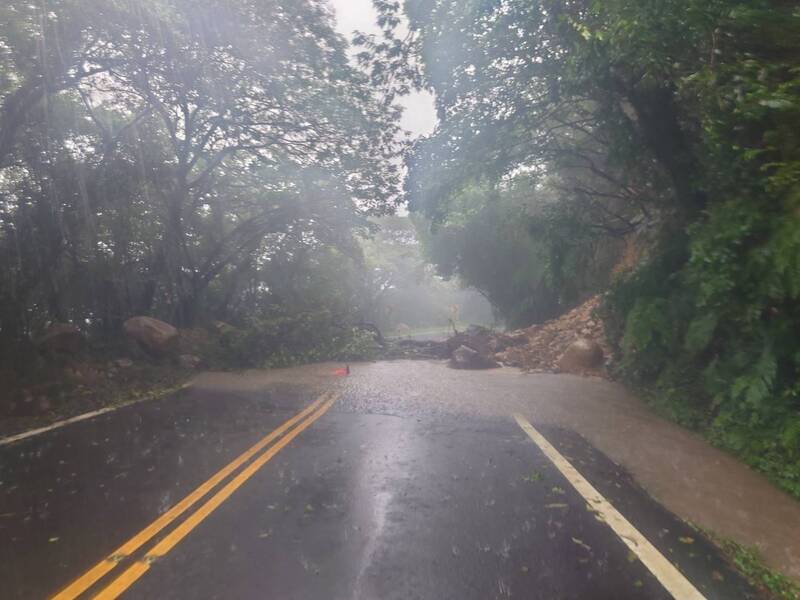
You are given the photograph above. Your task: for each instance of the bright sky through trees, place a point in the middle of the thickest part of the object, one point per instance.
(359, 15)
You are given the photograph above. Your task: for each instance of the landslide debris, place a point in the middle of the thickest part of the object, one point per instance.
(574, 342)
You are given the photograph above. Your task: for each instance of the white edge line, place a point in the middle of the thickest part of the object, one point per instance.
(83, 417)
(666, 573)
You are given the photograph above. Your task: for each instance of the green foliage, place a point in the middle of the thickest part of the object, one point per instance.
(700, 333)
(181, 159)
(714, 337)
(727, 319)
(716, 342)
(285, 339)
(529, 258)
(750, 564)
(359, 344)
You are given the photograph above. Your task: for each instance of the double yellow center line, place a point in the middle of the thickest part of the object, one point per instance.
(305, 418)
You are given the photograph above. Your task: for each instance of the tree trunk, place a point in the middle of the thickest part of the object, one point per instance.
(660, 126)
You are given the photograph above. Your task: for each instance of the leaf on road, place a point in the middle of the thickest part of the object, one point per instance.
(533, 477)
(582, 544)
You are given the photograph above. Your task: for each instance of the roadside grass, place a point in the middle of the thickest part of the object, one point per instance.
(68, 399)
(748, 562)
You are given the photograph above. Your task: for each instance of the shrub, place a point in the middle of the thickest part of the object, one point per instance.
(284, 339)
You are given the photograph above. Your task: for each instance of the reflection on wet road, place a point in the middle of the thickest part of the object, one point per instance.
(352, 503)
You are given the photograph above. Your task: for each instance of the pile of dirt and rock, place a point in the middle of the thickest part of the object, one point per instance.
(572, 343)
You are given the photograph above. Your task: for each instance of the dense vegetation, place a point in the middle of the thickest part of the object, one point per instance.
(186, 160)
(532, 263)
(672, 125)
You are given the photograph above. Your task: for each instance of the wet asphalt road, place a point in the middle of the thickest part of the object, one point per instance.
(361, 505)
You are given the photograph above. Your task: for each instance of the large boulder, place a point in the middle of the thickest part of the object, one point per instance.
(465, 357)
(476, 337)
(189, 361)
(157, 337)
(581, 355)
(61, 338)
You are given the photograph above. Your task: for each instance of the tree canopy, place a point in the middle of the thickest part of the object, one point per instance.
(180, 159)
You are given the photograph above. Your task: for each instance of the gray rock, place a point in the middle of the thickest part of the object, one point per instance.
(581, 355)
(157, 337)
(465, 357)
(189, 361)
